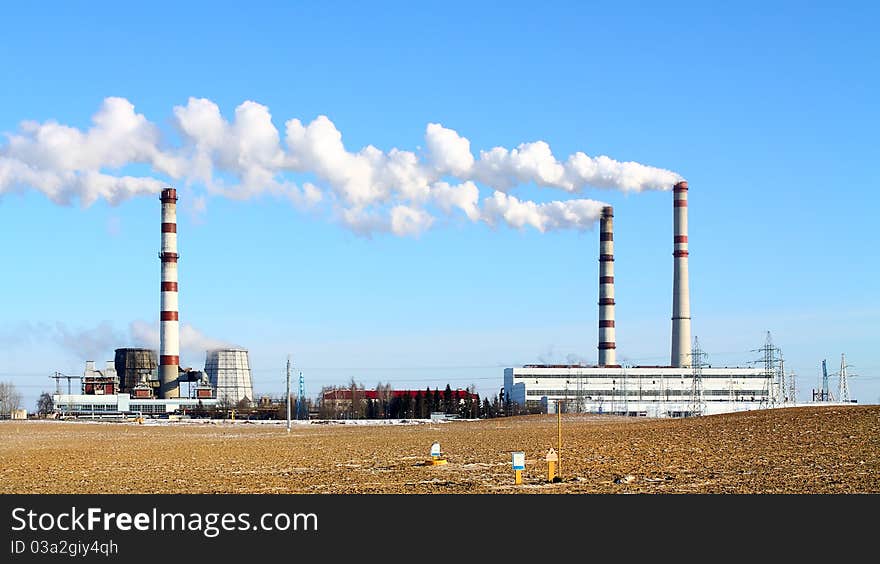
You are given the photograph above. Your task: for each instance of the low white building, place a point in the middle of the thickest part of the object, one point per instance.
(115, 405)
(651, 391)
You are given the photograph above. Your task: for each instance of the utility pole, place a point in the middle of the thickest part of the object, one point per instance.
(559, 437)
(288, 393)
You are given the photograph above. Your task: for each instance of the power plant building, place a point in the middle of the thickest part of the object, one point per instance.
(685, 387)
(100, 394)
(138, 381)
(651, 391)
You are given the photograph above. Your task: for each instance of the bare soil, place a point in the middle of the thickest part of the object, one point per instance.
(796, 450)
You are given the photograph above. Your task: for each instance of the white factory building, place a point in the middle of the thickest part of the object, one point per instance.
(648, 391)
(687, 386)
(116, 405)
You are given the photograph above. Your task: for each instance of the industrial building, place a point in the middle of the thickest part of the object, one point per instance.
(652, 391)
(138, 381)
(101, 392)
(687, 386)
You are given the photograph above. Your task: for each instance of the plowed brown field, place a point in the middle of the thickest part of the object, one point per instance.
(798, 450)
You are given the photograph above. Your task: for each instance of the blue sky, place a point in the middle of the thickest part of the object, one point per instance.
(767, 109)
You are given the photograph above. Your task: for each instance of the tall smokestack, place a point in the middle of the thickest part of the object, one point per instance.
(169, 330)
(607, 346)
(681, 302)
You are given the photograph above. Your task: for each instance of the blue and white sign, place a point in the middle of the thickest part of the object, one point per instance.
(435, 450)
(519, 460)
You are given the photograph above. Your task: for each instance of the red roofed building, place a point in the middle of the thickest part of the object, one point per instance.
(338, 401)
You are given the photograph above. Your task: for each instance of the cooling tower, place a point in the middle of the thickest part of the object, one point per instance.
(169, 330)
(131, 363)
(229, 374)
(681, 303)
(607, 345)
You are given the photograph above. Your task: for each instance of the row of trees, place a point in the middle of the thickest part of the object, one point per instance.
(352, 402)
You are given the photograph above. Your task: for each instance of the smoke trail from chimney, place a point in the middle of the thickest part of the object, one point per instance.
(368, 190)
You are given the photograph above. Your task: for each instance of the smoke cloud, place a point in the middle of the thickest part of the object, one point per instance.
(369, 191)
(193, 342)
(547, 216)
(87, 344)
(100, 341)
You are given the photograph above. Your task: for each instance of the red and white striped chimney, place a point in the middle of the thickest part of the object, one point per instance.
(169, 330)
(681, 302)
(607, 346)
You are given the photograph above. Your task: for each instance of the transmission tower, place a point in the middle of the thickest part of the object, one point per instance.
(824, 390)
(783, 396)
(698, 360)
(771, 358)
(843, 384)
(580, 393)
(301, 400)
(792, 387)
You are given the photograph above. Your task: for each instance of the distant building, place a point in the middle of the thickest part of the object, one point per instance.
(99, 396)
(339, 399)
(652, 391)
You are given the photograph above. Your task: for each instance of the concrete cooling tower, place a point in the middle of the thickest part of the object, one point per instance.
(229, 373)
(132, 364)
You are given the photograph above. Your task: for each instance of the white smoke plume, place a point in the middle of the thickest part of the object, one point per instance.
(87, 344)
(369, 190)
(546, 216)
(99, 342)
(192, 341)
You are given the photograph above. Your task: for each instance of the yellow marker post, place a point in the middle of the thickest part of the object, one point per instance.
(519, 464)
(551, 459)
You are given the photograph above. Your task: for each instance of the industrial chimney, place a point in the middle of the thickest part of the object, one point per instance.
(681, 302)
(607, 346)
(169, 330)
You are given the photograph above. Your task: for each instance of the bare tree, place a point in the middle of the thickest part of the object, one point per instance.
(383, 396)
(10, 399)
(357, 408)
(45, 405)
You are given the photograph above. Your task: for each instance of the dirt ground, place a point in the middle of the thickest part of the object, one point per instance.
(796, 450)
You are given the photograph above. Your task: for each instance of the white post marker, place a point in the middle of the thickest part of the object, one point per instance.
(519, 464)
(436, 455)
